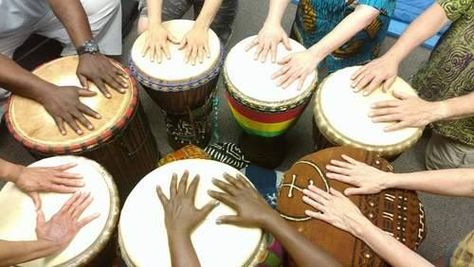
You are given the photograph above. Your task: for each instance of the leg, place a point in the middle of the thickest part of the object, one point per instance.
(105, 19)
(222, 24)
(444, 153)
(171, 9)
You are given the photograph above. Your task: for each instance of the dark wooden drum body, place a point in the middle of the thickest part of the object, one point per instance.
(398, 212)
(122, 140)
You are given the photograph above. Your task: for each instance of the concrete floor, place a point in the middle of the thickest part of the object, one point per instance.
(447, 219)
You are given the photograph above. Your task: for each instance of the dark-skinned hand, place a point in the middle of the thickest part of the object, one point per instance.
(99, 69)
(252, 209)
(63, 104)
(181, 216)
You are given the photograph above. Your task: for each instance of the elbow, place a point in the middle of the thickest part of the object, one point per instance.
(367, 14)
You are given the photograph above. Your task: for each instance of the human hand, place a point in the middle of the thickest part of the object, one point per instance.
(100, 70)
(334, 208)
(296, 66)
(407, 111)
(156, 44)
(65, 224)
(383, 70)
(33, 180)
(195, 44)
(252, 209)
(369, 180)
(63, 104)
(267, 41)
(181, 216)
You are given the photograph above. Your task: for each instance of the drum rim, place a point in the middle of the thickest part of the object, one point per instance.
(110, 224)
(335, 137)
(87, 144)
(255, 258)
(177, 85)
(267, 106)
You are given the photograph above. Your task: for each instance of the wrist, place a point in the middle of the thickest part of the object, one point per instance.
(272, 23)
(50, 245)
(388, 180)
(13, 172)
(318, 52)
(271, 220)
(202, 24)
(393, 56)
(360, 226)
(440, 110)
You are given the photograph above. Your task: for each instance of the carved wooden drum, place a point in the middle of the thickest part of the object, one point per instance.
(121, 141)
(182, 90)
(91, 245)
(398, 212)
(341, 117)
(142, 222)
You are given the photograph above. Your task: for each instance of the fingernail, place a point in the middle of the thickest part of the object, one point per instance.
(218, 221)
(209, 192)
(216, 203)
(98, 116)
(90, 127)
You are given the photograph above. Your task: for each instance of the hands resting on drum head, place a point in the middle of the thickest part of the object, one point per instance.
(195, 44)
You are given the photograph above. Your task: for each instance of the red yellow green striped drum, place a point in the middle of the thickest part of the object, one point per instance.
(259, 106)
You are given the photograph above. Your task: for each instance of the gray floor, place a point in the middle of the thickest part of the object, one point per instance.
(447, 219)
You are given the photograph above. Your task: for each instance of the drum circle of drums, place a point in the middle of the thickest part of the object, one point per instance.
(122, 141)
(142, 233)
(93, 245)
(397, 212)
(184, 91)
(341, 117)
(263, 110)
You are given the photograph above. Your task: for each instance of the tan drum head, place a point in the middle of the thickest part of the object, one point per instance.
(142, 232)
(250, 80)
(18, 215)
(32, 125)
(175, 69)
(342, 115)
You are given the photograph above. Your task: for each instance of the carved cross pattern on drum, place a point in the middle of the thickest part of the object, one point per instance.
(293, 186)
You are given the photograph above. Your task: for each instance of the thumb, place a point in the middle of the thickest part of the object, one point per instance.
(40, 220)
(173, 39)
(182, 44)
(83, 92)
(83, 81)
(286, 43)
(229, 219)
(355, 191)
(36, 200)
(388, 83)
(208, 208)
(400, 95)
(284, 60)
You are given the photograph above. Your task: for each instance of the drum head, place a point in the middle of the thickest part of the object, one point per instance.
(342, 115)
(143, 238)
(175, 70)
(251, 80)
(19, 216)
(32, 125)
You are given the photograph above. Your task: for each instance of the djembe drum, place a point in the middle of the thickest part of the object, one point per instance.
(215, 245)
(341, 117)
(263, 110)
(182, 90)
(122, 141)
(397, 212)
(92, 246)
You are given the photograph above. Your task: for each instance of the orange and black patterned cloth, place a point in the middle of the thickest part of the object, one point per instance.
(316, 18)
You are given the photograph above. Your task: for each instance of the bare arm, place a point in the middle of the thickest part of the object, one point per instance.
(275, 11)
(9, 171)
(182, 250)
(154, 12)
(15, 252)
(208, 12)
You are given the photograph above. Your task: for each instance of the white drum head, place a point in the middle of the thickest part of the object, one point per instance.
(175, 69)
(347, 112)
(142, 228)
(253, 79)
(18, 215)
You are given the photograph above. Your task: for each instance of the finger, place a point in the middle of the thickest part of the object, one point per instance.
(314, 204)
(363, 81)
(232, 180)
(385, 104)
(82, 120)
(201, 54)
(357, 73)
(145, 49)
(193, 187)
(243, 181)
(40, 220)
(388, 83)
(228, 188)
(78, 202)
(166, 51)
(283, 70)
(301, 83)
(183, 183)
(86, 93)
(229, 219)
(83, 81)
(173, 186)
(338, 170)
(252, 44)
(386, 118)
(222, 197)
(64, 167)
(273, 52)
(67, 205)
(290, 81)
(194, 55)
(284, 60)
(61, 189)
(373, 85)
(159, 54)
(206, 209)
(101, 85)
(67, 175)
(82, 207)
(60, 124)
(316, 215)
(355, 191)
(182, 44)
(173, 38)
(336, 193)
(286, 43)
(351, 160)
(88, 111)
(341, 164)
(207, 50)
(339, 177)
(397, 126)
(118, 82)
(68, 182)
(87, 220)
(153, 54)
(264, 53)
(258, 51)
(36, 200)
(163, 199)
(315, 196)
(320, 192)
(71, 122)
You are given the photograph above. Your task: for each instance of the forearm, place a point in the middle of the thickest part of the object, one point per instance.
(15, 252)
(276, 11)
(387, 247)
(9, 171)
(208, 12)
(301, 250)
(182, 251)
(154, 12)
(425, 26)
(74, 18)
(458, 107)
(453, 182)
(345, 30)
(20, 81)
